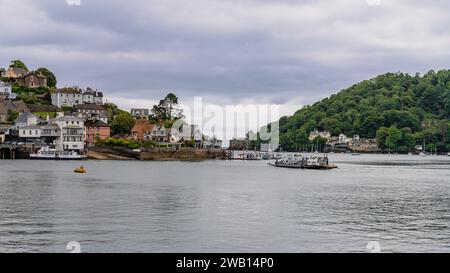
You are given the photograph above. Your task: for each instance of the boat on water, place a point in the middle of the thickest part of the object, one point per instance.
(304, 162)
(80, 170)
(47, 153)
(267, 156)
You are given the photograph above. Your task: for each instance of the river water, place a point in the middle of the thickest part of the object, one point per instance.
(401, 202)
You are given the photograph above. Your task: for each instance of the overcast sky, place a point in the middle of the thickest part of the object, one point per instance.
(287, 52)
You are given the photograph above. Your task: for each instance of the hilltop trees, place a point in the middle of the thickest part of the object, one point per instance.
(167, 109)
(398, 109)
(51, 79)
(18, 64)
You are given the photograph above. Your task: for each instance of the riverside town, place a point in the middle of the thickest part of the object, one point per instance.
(39, 120)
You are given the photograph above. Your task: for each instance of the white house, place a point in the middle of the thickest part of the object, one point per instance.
(212, 142)
(67, 97)
(343, 138)
(72, 132)
(6, 90)
(140, 113)
(30, 132)
(26, 119)
(91, 96)
(159, 133)
(317, 133)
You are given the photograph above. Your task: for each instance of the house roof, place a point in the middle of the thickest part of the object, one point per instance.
(96, 123)
(68, 118)
(31, 127)
(51, 126)
(95, 93)
(89, 107)
(32, 73)
(23, 118)
(69, 90)
(17, 70)
(142, 126)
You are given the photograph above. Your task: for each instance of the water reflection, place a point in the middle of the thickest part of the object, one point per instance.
(226, 206)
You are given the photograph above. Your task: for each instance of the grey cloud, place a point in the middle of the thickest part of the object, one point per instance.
(275, 51)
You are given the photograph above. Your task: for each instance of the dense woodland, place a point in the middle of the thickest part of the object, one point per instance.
(398, 109)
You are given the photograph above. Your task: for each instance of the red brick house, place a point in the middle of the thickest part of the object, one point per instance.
(95, 130)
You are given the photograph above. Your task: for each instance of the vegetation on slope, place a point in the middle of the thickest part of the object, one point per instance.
(400, 110)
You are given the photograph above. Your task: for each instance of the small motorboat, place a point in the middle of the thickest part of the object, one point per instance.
(80, 170)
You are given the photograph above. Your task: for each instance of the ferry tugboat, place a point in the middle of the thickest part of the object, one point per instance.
(304, 162)
(46, 153)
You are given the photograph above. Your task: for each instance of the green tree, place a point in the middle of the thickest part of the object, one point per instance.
(382, 134)
(393, 139)
(418, 102)
(123, 123)
(51, 79)
(167, 109)
(112, 110)
(18, 64)
(12, 115)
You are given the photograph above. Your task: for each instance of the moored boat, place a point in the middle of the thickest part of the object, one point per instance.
(47, 153)
(304, 162)
(80, 170)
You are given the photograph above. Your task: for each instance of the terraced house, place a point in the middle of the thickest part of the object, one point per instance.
(67, 97)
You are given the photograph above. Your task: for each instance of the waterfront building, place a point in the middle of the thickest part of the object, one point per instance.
(365, 145)
(4, 130)
(67, 97)
(72, 133)
(212, 142)
(317, 133)
(91, 112)
(343, 138)
(158, 133)
(140, 113)
(96, 130)
(140, 129)
(30, 132)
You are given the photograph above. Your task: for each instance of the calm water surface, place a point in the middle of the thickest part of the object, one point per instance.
(403, 202)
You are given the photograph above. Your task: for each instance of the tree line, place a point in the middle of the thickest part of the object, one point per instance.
(398, 109)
